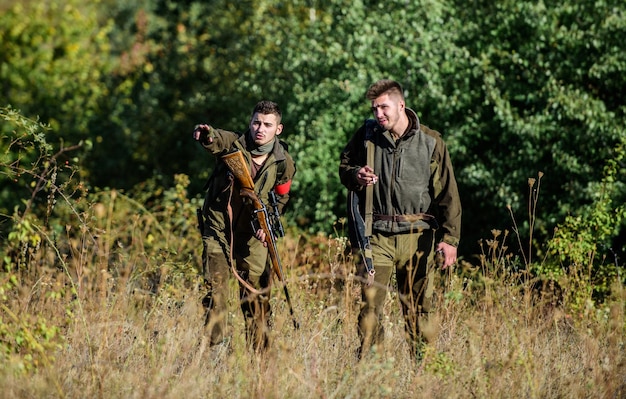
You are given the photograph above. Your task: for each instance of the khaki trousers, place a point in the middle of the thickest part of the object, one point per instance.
(411, 256)
(250, 257)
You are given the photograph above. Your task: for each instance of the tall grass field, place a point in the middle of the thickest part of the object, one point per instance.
(108, 306)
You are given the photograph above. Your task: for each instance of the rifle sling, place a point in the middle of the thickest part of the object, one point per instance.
(369, 210)
(369, 191)
(230, 249)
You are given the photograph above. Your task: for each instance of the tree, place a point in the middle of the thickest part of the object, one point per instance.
(540, 98)
(514, 87)
(52, 58)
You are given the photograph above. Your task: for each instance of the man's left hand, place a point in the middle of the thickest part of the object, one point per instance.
(449, 254)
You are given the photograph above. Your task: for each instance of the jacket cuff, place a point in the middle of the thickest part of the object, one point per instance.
(355, 182)
(448, 239)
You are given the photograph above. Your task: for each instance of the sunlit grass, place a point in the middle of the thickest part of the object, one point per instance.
(494, 338)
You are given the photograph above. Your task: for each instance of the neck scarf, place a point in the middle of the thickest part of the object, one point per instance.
(263, 149)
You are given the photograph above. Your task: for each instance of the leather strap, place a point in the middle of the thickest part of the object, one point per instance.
(230, 252)
(369, 191)
(411, 218)
(404, 218)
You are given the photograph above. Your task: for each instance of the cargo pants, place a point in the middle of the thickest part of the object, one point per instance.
(250, 257)
(411, 256)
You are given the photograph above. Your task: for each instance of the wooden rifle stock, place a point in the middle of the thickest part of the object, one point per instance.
(238, 166)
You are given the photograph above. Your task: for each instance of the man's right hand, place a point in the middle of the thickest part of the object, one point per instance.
(201, 134)
(366, 176)
(260, 235)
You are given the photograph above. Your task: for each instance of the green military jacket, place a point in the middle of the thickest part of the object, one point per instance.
(278, 169)
(415, 177)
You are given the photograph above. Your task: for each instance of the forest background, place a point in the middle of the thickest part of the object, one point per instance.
(516, 88)
(98, 101)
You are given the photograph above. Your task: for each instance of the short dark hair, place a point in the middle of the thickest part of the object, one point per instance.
(384, 86)
(266, 107)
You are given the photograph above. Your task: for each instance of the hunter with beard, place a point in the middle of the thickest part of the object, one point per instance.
(404, 197)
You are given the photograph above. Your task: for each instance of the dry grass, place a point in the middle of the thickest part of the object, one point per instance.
(495, 339)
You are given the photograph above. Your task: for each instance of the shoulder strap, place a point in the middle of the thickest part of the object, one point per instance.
(370, 126)
(369, 190)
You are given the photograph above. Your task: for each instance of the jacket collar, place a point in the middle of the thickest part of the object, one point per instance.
(414, 121)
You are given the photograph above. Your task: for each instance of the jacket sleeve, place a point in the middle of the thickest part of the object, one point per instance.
(222, 141)
(283, 185)
(352, 159)
(446, 196)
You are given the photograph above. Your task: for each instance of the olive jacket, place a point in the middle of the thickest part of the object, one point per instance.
(415, 178)
(278, 170)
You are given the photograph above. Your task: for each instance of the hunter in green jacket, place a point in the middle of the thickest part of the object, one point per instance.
(415, 209)
(229, 238)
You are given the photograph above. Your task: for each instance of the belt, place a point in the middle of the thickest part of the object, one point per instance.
(412, 218)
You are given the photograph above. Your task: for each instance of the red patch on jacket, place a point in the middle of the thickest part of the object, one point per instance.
(282, 189)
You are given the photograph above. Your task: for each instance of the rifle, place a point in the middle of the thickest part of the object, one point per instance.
(360, 237)
(200, 218)
(275, 222)
(359, 227)
(262, 219)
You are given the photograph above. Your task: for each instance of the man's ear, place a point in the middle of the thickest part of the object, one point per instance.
(279, 129)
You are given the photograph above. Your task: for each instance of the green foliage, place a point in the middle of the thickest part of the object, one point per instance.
(185, 63)
(28, 193)
(75, 244)
(537, 100)
(598, 222)
(48, 68)
(328, 82)
(53, 56)
(23, 145)
(26, 343)
(579, 242)
(441, 365)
